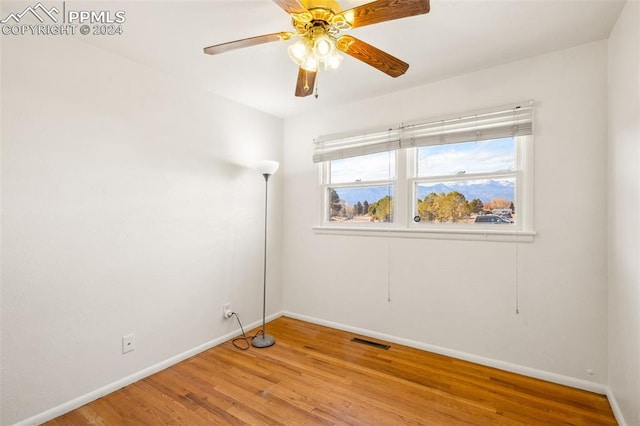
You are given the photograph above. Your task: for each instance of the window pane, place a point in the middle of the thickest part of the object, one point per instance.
(366, 168)
(361, 204)
(469, 157)
(468, 201)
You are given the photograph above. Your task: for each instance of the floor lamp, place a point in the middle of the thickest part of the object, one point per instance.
(266, 168)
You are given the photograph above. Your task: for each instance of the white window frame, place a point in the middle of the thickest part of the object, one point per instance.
(404, 200)
(325, 184)
(523, 193)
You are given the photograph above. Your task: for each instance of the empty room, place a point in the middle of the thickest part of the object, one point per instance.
(327, 212)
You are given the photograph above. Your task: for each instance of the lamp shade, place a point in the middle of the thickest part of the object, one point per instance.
(267, 167)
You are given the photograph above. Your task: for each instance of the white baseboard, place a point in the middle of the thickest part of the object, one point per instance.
(125, 381)
(615, 407)
(502, 365)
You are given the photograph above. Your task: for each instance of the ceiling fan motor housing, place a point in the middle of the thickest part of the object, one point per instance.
(327, 19)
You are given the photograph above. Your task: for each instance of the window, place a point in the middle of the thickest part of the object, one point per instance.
(360, 189)
(462, 182)
(463, 175)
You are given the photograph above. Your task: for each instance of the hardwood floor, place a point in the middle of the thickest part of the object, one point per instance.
(317, 375)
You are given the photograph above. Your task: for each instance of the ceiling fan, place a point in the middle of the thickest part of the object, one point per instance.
(318, 24)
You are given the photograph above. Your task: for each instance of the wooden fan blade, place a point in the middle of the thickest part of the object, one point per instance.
(306, 82)
(291, 6)
(372, 55)
(384, 10)
(246, 42)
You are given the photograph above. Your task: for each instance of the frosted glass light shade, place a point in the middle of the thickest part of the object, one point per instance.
(323, 46)
(267, 167)
(332, 61)
(310, 63)
(299, 50)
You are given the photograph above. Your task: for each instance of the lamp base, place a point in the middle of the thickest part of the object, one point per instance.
(263, 341)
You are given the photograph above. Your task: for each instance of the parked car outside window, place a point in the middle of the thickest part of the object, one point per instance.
(492, 218)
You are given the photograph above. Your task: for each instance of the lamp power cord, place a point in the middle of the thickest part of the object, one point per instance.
(246, 339)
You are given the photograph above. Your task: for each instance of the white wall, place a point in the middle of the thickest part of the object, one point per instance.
(460, 295)
(624, 205)
(128, 207)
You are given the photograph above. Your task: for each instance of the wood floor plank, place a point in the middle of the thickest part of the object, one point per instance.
(316, 375)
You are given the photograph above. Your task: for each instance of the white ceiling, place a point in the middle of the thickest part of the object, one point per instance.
(456, 37)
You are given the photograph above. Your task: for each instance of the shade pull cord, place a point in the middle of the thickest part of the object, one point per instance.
(392, 218)
(517, 283)
(388, 271)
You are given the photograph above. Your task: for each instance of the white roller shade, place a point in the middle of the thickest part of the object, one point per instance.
(502, 123)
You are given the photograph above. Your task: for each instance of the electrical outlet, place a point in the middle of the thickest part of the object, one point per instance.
(226, 310)
(128, 343)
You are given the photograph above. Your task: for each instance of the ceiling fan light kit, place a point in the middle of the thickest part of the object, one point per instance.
(318, 24)
(313, 49)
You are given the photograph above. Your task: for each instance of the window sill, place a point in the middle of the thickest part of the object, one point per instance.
(441, 234)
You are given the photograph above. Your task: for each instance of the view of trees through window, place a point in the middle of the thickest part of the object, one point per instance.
(469, 182)
(361, 204)
(464, 201)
